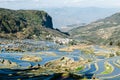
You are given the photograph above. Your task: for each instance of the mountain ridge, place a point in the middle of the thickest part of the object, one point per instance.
(103, 31)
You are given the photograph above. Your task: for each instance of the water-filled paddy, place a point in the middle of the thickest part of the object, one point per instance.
(52, 53)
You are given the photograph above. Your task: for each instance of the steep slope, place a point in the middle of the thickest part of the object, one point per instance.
(26, 24)
(104, 31)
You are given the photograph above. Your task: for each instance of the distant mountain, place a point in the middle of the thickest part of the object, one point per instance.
(67, 28)
(76, 15)
(103, 31)
(23, 24)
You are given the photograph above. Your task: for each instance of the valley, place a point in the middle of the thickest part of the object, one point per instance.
(32, 49)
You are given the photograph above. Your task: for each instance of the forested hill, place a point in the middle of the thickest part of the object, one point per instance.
(23, 24)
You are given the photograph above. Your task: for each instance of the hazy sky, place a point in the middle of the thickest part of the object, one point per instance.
(30, 4)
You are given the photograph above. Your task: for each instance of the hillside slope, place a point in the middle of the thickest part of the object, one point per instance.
(104, 31)
(28, 24)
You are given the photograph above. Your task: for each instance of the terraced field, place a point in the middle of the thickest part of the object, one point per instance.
(112, 72)
(101, 68)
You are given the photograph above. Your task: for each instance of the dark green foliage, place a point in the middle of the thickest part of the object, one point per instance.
(111, 43)
(23, 24)
(73, 42)
(111, 55)
(13, 21)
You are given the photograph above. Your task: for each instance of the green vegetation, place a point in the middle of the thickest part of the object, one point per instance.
(80, 68)
(65, 75)
(26, 24)
(88, 51)
(111, 55)
(108, 68)
(118, 53)
(84, 78)
(74, 42)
